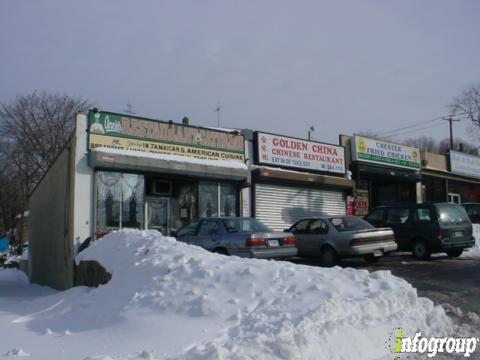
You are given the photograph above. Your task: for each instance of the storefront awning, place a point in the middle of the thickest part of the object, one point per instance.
(449, 176)
(384, 173)
(303, 177)
(128, 160)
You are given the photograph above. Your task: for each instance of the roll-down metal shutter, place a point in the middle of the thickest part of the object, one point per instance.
(279, 206)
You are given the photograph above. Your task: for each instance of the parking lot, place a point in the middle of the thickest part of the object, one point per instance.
(444, 280)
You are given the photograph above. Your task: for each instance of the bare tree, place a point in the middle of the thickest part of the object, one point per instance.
(424, 143)
(33, 130)
(467, 106)
(458, 145)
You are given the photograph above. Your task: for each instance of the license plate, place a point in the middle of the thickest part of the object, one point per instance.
(458, 233)
(273, 243)
(378, 253)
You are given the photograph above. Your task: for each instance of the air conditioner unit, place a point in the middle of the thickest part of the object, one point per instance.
(161, 187)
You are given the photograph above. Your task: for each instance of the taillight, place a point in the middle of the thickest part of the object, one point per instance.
(253, 241)
(355, 242)
(101, 234)
(291, 240)
(440, 234)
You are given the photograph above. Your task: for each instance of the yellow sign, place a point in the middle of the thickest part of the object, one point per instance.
(97, 140)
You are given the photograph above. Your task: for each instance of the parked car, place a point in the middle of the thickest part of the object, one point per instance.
(426, 228)
(473, 211)
(333, 237)
(245, 237)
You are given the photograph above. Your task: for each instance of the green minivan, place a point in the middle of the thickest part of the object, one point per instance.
(426, 228)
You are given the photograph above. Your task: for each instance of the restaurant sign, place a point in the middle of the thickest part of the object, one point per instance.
(130, 133)
(297, 153)
(385, 153)
(464, 164)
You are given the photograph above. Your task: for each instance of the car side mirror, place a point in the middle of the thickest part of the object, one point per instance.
(286, 230)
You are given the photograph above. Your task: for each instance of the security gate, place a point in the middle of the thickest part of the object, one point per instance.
(279, 206)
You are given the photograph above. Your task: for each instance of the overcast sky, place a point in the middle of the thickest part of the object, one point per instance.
(278, 66)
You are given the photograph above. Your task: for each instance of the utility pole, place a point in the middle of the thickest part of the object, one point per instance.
(450, 121)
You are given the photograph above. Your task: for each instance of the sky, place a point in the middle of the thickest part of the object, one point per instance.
(274, 65)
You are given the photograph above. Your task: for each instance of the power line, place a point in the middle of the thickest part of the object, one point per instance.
(392, 132)
(410, 126)
(414, 130)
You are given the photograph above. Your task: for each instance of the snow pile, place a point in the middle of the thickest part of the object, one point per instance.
(171, 300)
(474, 252)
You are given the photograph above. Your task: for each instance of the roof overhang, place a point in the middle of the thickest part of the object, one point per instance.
(302, 177)
(128, 160)
(450, 176)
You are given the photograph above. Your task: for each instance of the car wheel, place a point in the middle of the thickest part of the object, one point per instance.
(421, 250)
(221, 251)
(328, 257)
(455, 253)
(370, 259)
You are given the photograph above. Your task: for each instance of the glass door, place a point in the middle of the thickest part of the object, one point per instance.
(158, 214)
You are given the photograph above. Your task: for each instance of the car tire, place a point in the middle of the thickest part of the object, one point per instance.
(454, 253)
(221, 251)
(370, 259)
(328, 257)
(421, 251)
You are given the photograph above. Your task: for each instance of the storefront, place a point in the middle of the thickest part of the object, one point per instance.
(384, 173)
(160, 175)
(453, 178)
(295, 178)
(119, 171)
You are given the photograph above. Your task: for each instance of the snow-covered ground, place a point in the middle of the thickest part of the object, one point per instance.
(474, 252)
(170, 300)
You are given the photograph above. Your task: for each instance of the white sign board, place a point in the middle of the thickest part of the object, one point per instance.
(464, 164)
(385, 153)
(284, 151)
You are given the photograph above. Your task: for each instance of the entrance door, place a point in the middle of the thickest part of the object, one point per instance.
(158, 214)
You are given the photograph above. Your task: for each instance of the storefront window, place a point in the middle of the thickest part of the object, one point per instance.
(132, 205)
(184, 203)
(210, 205)
(120, 201)
(208, 199)
(228, 199)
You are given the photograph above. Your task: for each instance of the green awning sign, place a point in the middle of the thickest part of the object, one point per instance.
(385, 153)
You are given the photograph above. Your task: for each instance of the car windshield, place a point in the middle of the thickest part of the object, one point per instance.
(187, 230)
(449, 213)
(350, 223)
(245, 225)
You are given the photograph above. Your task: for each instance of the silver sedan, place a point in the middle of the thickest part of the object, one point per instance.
(333, 237)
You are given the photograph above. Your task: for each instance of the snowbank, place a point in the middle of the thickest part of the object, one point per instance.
(171, 300)
(474, 252)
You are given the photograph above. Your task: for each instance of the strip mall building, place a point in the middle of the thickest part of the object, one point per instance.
(121, 171)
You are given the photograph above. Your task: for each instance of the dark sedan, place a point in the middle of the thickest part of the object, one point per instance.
(244, 237)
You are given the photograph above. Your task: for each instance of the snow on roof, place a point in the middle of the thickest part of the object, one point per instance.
(176, 158)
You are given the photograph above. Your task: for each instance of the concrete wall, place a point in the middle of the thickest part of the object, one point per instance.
(50, 247)
(83, 185)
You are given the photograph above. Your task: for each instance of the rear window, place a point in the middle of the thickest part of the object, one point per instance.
(452, 214)
(350, 223)
(245, 225)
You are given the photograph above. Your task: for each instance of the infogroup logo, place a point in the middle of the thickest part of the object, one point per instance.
(399, 344)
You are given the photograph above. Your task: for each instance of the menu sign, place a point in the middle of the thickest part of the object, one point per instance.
(284, 151)
(464, 164)
(385, 153)
(130, 133)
